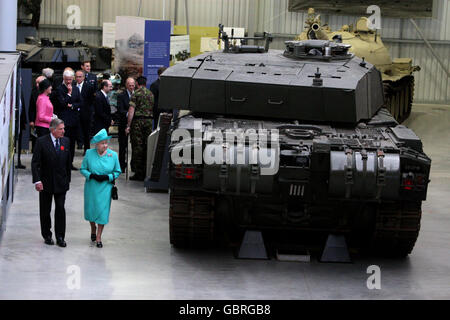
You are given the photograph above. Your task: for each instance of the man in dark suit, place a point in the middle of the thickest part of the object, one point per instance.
(90, 78)
(67, 104)
(154, 88)
(50, 167)
(87, 92)
(123, 103)
(102, 108)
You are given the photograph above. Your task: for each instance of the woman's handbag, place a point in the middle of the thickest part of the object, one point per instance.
(114, 191)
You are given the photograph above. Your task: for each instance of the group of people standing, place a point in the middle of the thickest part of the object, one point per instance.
(75, 111)
(138, 113)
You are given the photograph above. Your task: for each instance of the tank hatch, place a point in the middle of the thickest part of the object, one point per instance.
(317, 49)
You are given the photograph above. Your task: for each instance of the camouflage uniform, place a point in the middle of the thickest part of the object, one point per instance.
(141, 127)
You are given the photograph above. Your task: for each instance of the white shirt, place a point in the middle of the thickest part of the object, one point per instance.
(106, 96)
(80, 86)
(54, 140)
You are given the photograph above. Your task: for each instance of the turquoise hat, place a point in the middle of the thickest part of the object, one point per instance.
(100, 136)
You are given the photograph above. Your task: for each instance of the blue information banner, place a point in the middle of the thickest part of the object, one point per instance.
(157, 48)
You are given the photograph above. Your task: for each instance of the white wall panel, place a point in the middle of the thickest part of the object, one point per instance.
(54, 11)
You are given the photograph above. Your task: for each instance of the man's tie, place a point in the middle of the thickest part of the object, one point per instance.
(57, 147)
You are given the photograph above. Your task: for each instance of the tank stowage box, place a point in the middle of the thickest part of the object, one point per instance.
(295, 143)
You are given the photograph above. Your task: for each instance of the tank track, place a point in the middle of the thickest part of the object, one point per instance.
(397, 228)
(399, 97)
(191, 219)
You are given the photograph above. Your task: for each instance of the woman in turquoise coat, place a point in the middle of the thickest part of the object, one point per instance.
(100, 167)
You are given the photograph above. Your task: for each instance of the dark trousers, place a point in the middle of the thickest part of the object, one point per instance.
(45, 208)
(123, 145)
(41, 131)
(33, 142)
(19, 147)
(86, 128)
(72, 134)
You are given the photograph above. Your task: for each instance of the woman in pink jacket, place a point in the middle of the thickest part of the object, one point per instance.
(44, 108)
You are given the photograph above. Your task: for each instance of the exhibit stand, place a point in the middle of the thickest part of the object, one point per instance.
(9, 92)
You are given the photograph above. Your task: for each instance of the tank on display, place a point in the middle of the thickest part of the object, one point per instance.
(58, 55)
(293, 143)
(397, 74)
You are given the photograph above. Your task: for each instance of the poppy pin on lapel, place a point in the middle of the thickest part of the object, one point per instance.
(62, 148)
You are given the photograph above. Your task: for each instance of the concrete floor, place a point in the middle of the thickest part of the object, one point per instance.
(137, 261)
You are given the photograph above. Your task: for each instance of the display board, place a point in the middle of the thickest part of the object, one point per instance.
(109, 35)
(142, 46)
(8, 101)
(196, 34)
(180, 49)
(389, 8)
(157, 48)
(130, 43)
(7, 122)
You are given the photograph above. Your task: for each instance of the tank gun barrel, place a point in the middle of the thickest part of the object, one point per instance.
(267, 37)
(318, 32)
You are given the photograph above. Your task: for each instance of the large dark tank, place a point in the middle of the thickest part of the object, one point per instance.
(341, 163)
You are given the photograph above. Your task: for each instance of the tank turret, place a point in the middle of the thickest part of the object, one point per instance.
(279, 85)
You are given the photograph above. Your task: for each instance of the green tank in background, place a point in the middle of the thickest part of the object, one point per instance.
(58, 55)
(397, 74)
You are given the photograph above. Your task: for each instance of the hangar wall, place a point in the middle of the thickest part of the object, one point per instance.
(432, 83)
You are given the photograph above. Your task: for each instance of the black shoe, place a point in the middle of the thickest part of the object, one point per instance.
(20, 166)
(99, 244)
(49, 241)
(136, 178)
(93, 237)
(74, 169)
(61, 243)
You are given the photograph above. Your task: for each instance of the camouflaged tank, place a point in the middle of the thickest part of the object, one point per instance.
(397, 74)
(341, 163)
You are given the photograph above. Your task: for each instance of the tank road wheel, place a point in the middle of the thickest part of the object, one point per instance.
(397, 228)
(389, 97)
(191, 219)
(410, 97)
(399, 97)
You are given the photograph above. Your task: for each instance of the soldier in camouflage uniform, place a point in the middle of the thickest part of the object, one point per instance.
(139, 126)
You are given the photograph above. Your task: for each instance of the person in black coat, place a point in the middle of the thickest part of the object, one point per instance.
(123, 103)
(51, 170)
(67, 104)
(154, 88)
(87, 91)
(90, 77)
(102, 108)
